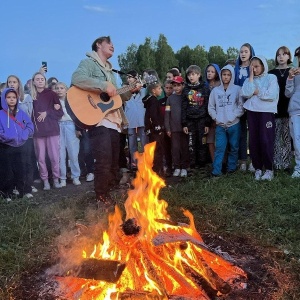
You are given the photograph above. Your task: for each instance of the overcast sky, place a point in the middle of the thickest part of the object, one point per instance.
(62, 31)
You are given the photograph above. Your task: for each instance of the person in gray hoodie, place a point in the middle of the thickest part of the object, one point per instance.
(225, 106)
(292, 90)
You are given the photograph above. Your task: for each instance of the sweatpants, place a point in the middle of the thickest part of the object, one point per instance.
(261, 139)
(50, 145)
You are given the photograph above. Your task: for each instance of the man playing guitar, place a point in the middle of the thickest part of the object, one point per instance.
(95, 74)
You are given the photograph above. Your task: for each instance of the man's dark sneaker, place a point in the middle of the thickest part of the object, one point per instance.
(105, 203)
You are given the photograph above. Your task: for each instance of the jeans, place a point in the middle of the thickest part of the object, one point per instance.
(133, 134)
(224, 136)
(105, 147)
(70, 143)
(295, 133)
(86, 160)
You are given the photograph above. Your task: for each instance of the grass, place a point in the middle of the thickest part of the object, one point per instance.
(266, 213)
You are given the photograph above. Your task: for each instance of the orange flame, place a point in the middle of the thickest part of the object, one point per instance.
(154, 264)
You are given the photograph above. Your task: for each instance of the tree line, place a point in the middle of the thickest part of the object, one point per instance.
(160, 56)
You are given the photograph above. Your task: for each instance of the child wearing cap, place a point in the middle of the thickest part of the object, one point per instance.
(15, 129)
(179, 140)
(194, 115)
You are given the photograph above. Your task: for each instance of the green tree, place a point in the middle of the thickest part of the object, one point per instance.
(183, 57)
(199, 57)
(187, 56)
(233, 53)
(217, 55)
(146, 56)
(128, 60)
(164, 56)
(271, 63)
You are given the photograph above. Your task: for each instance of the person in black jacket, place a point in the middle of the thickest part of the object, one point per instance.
(154, 125)
(194, 115)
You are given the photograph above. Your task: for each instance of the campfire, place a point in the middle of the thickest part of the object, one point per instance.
(149, 256)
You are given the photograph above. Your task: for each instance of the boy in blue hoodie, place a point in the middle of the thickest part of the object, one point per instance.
(226, 107)
(15, 129)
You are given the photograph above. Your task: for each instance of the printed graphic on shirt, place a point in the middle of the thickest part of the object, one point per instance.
(195, 98)
(243, 73)
(224, 100)
(269, 124)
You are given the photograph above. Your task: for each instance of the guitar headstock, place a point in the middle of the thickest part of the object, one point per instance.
(150, 79)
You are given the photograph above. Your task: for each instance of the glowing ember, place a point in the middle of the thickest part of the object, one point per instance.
(161, 259)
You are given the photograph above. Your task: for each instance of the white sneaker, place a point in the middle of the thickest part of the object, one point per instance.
(34, 189)
(251, 168)
(15, 191)
(28, 196)
(56, 184)
(176, 172)
(243, 167)
(76, 181)
(268, 175)
(296, 174)
(258, 174)
(63, 182)
(90, 177)
(183, 173)
(46, 185)
(8, 199)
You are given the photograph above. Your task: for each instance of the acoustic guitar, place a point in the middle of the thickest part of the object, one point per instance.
(88, 108)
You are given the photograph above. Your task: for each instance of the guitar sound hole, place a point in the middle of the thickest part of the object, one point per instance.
(104, 97)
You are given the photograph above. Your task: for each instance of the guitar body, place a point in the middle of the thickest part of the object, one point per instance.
(88, 108)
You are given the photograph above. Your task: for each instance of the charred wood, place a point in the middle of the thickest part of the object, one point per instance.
(99, 269)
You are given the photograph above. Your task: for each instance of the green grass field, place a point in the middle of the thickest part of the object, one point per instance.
(265, 214)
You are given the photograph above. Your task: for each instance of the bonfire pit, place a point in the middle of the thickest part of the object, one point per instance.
(149, 256)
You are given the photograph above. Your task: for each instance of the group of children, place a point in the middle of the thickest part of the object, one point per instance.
(192, 122)
(217, 115)
(36, 133)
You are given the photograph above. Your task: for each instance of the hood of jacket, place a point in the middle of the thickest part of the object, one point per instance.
(95, 56)
(239, 80)
(3, 98)
(231, 70)
(238, 61)
(217, 68)
(264, 62)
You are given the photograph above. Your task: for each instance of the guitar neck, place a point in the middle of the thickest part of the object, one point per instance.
(126, 88)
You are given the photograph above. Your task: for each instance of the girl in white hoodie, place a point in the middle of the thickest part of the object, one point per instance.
(262, 91)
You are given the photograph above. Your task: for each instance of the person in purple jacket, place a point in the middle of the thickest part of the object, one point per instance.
(47, 112)
(15, 129)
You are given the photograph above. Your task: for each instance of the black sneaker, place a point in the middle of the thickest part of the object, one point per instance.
(105, 203)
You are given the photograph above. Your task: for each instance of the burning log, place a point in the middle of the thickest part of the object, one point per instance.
(178, 235)
(133, 295)
(100, 269)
